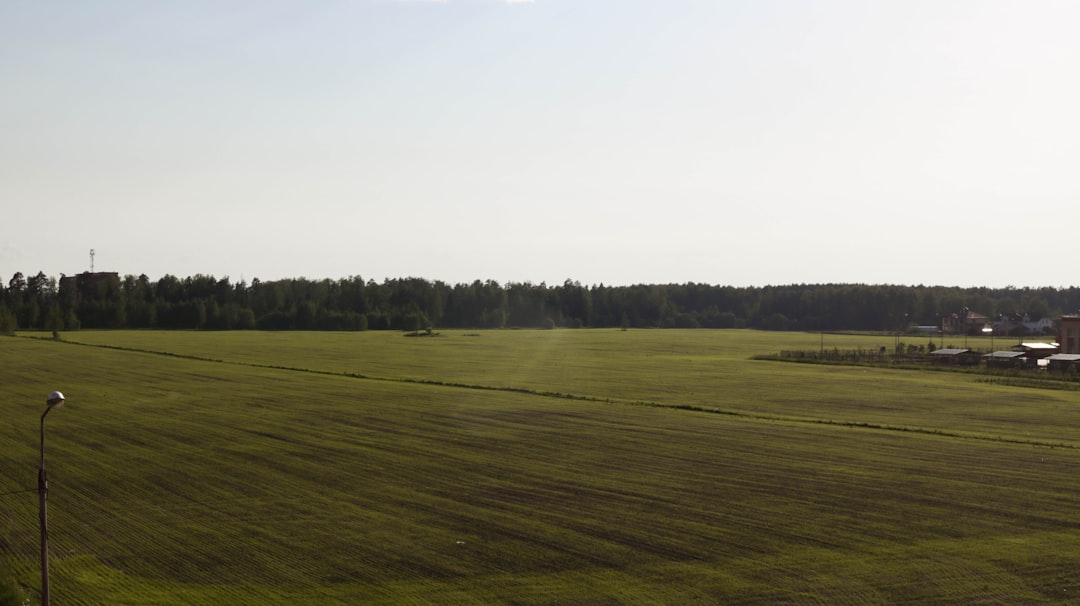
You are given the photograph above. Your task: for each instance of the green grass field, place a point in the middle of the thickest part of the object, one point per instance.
(529, 467)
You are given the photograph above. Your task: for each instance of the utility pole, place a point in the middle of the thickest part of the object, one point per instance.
(56, 399)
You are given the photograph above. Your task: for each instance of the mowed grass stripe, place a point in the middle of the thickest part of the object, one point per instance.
(228, 483)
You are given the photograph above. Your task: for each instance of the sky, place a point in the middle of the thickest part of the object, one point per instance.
(743, 143)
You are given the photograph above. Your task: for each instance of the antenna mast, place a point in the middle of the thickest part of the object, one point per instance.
(91, 260)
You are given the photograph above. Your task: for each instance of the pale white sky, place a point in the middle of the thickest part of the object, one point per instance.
(724, 142)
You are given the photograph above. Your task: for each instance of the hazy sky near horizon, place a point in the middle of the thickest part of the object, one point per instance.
(617, 142)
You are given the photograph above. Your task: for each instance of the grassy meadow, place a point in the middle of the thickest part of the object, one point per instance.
(529, 467)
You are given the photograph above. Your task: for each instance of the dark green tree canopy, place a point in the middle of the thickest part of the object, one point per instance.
(212, 303)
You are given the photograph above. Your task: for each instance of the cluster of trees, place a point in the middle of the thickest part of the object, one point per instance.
(205, 302)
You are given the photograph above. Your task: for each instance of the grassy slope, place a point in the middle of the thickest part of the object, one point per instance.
(182, 481)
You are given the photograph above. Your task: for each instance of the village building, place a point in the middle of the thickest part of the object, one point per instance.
(966, 322)
(1069, 334)
(1038, 327)
(1022, 324)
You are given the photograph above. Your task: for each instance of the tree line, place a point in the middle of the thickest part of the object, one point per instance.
(106, 300)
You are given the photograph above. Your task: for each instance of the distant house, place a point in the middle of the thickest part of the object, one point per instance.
(1069, 334)
(1016, 323)
(1045, 325)
(966, 322)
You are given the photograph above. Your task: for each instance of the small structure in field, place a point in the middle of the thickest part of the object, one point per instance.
(1007, 359)
(957, 357)
(1037, 350)
(1062, 362)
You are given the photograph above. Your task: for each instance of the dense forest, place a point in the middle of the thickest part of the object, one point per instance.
(106, 300)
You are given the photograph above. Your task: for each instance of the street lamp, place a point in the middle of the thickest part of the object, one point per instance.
(56, 400)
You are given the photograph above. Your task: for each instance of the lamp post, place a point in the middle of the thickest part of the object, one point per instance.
(56, 400)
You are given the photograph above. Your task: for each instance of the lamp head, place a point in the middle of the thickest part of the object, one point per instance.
(56, 399)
